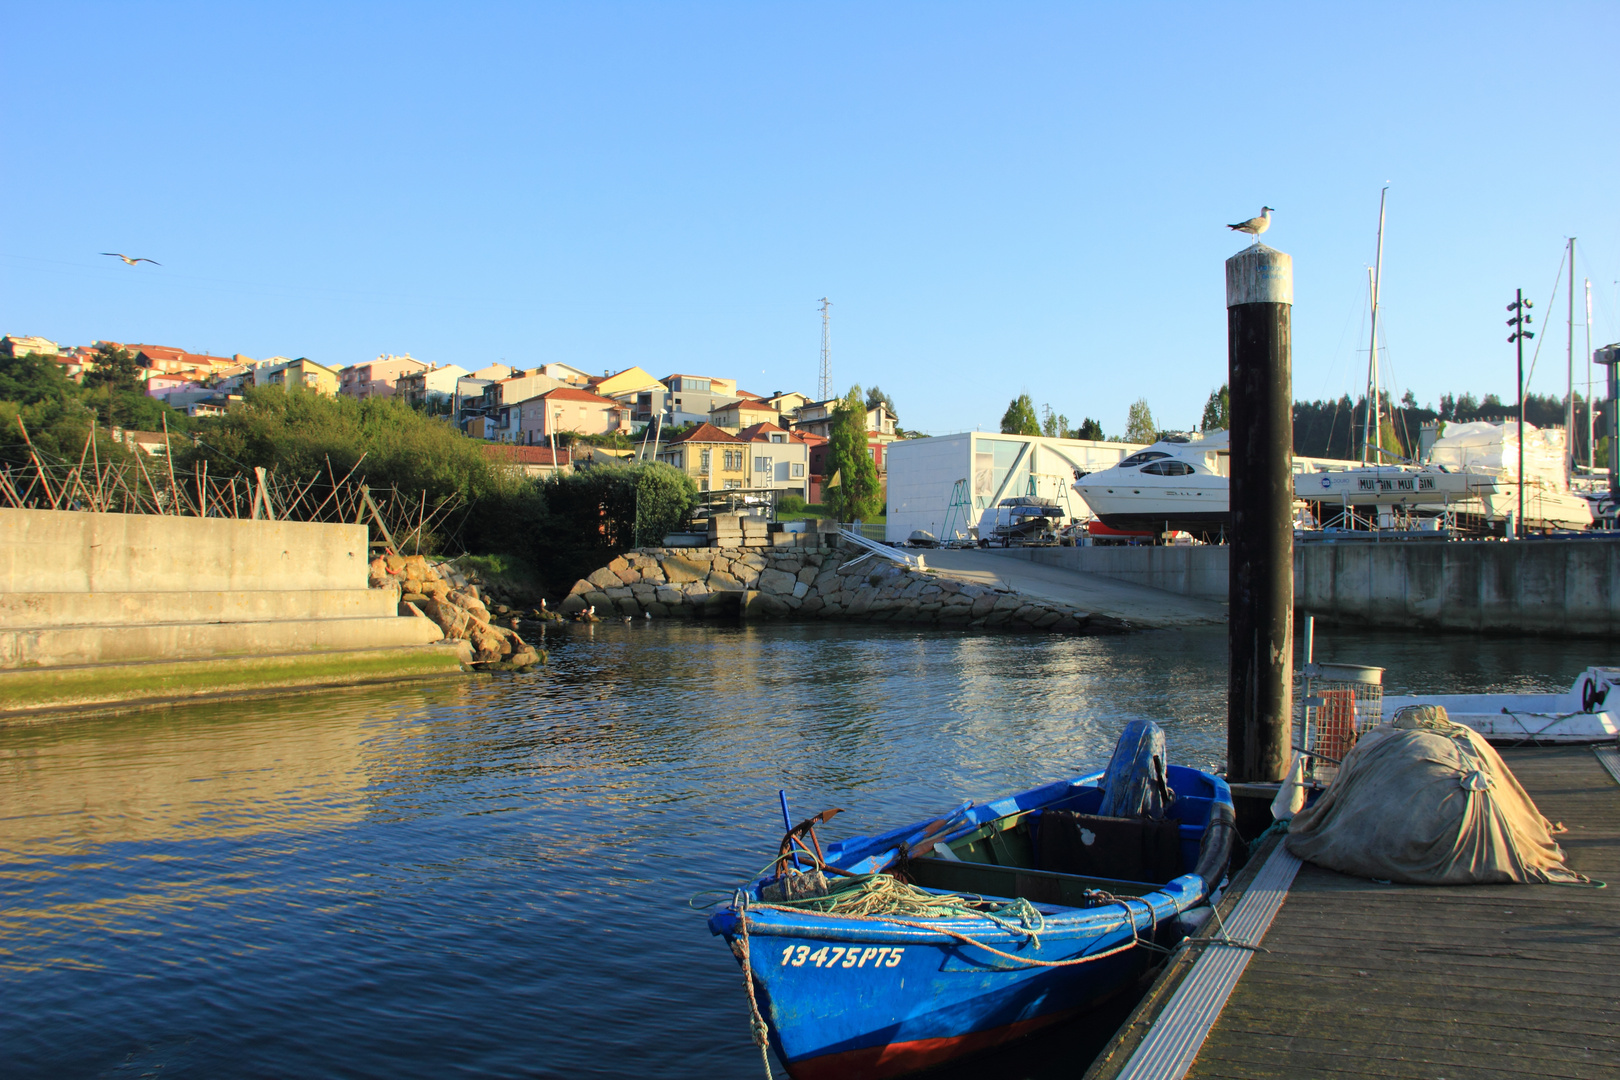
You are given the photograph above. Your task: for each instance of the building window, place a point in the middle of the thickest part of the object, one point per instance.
(733, 485)
(798, 469)
(762, 464)
(705, 461)
(779, 438)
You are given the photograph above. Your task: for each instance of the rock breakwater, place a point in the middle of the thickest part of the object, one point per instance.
(818, 583)
(443, 594)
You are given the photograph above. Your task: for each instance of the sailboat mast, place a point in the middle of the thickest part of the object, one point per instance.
(1591, 406)
(1373, 435)
(1569, 399)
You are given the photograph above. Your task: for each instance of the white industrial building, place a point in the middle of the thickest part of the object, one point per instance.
(943, 484)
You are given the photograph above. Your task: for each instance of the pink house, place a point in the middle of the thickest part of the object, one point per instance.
(566, 409)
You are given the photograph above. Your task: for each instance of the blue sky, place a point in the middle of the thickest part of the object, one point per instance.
(998, 198)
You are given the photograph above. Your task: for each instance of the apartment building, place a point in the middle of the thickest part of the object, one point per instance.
(379, 377)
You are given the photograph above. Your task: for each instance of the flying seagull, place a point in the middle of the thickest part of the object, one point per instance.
(1255, 225)
(130, 261)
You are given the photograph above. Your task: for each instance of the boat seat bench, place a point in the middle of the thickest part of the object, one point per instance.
(1012, 882)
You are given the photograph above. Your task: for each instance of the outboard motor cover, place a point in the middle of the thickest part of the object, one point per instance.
(1137, 783)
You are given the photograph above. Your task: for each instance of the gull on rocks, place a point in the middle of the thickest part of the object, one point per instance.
(1255, 225)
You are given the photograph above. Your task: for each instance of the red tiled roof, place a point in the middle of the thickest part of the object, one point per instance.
(744, 405)
(524, 455)
(757, 432)
(704, 433)
(809, 438)
(568, 393)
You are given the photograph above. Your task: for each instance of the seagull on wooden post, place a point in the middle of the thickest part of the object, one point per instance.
(129, 261)
(1255, 225)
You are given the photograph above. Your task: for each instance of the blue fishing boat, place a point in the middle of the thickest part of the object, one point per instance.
(886, 954)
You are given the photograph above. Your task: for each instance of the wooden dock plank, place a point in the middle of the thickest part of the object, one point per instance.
(1467, 983)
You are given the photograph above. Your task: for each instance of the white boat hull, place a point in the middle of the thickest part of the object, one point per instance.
(1583, 715)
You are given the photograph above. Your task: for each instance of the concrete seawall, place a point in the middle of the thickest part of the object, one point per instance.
(99, 609)
(67, 551)
(1560, 587)
(1564, 587)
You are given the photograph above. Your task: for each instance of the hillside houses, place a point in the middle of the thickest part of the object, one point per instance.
(721, 434)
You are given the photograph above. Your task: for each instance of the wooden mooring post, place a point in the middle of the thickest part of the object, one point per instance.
(1259, 709)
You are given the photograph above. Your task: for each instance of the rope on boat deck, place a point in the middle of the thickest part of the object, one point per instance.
(756, 1022)
(744, 906)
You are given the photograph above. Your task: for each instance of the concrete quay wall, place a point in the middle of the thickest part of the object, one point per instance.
(818, 583)
(68, 551)
(1566, 588)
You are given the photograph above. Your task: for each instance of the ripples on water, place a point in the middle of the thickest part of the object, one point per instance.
(489, 877)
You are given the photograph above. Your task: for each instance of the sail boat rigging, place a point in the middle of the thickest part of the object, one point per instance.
(1372, 434)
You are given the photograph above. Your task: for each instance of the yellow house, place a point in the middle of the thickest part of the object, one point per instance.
(301, 372)
(718, 461)
(628, 381)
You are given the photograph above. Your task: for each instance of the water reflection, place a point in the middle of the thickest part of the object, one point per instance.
(489, 876)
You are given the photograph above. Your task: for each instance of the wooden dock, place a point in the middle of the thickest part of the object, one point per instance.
(1364, 979)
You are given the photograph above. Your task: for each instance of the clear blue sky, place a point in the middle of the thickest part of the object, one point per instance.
(998, 198)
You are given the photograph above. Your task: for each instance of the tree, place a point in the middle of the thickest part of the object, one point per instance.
(876, 397)
(855, 496)
(1408, 400)
(1020, 418)
(1089, 429)
(1139, 427)
(115, 369)
(1049, 423)
(1217, 410)
(1063, 427)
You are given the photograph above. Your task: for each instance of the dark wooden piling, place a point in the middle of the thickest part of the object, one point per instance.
(1259, 302)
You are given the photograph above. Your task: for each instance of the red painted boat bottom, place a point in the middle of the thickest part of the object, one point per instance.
(897, 1059)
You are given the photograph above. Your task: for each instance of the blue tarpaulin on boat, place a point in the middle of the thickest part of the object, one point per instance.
(1136, 783)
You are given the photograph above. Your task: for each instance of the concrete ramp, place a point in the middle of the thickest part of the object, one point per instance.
(1137, 604)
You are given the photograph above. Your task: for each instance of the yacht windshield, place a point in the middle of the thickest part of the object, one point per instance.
(1142, 458)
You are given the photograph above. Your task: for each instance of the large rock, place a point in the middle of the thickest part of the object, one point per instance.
(629, 575)
(453, 620)
(572, 603)
(604, 578)
(983, 605)
(667, 595)
(808, 574)
(682, 571)
(800, 590)
(777, 582)
(720, 581)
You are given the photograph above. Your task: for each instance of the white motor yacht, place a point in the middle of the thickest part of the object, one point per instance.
(1584, 715)
(1178, 484)
(1394, 485)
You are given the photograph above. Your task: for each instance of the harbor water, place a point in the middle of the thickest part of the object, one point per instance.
(491, 877)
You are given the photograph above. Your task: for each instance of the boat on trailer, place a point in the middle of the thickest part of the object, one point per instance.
(1036, 906)
(1586, 714)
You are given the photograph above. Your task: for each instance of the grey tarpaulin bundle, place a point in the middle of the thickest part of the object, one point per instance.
(1425, 801)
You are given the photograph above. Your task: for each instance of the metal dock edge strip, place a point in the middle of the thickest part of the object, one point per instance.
(1179, 1032)
(1609, 758)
